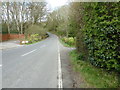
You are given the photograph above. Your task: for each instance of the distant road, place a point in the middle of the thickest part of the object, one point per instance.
(32, 66)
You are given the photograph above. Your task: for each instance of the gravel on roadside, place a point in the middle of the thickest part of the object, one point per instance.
(71, 79)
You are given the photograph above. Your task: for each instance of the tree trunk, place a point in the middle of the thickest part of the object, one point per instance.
(21, 28)
(8, 25)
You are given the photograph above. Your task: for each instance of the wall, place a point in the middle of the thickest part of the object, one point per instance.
(4, 37)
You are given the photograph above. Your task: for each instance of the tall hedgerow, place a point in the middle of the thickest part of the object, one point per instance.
(102, 34)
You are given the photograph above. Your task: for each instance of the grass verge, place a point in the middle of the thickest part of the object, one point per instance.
(95, 77)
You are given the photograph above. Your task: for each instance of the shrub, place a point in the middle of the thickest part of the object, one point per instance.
(102, 33)
(35, 29)
(34, 38)
(4, 28)
(70, 40)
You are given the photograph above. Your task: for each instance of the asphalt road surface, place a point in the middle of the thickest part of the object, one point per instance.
(0, 69)
(32, 66)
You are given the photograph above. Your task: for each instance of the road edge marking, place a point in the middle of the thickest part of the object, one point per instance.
(28, 52)
(60, 82)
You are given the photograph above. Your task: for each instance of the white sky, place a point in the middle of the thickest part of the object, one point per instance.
(56, 3)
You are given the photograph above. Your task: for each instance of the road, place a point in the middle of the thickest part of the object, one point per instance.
(0, 69)
(9, 44)
(33, 66)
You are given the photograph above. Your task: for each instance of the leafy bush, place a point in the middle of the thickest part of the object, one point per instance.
(70, 40)
(4, 28)
(35, 29)
(34, 38)
(102, 34)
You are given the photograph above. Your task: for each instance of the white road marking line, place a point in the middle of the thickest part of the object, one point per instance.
(60, 83)
(29, 52)
(0, 65)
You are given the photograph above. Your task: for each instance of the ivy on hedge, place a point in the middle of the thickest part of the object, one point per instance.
(102, 33)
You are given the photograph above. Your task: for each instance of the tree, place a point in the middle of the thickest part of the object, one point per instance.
(19, 15)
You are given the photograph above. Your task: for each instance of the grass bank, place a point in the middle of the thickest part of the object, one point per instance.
(95, 77)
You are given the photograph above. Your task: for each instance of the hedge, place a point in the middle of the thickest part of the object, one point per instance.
(5, 29)
(102, 34)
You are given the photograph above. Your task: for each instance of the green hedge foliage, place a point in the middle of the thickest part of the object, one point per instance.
(102, 34)
(5, 29)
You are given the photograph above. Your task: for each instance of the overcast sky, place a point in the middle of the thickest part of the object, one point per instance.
(56, 3)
